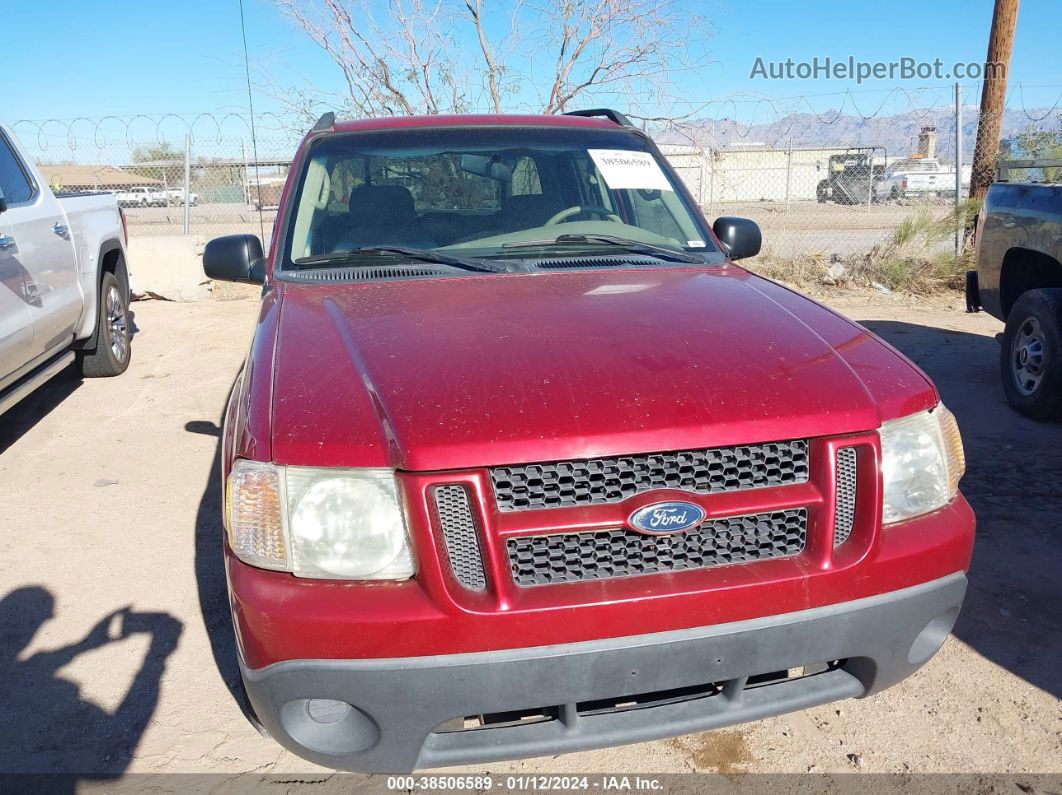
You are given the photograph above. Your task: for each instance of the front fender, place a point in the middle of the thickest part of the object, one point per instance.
(246, 432)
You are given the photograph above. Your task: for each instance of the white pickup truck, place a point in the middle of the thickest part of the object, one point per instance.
(176, 197)
(64, 279)
(142, 197)
(921, 177)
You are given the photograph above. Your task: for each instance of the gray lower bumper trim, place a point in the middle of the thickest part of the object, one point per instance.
(400, 702)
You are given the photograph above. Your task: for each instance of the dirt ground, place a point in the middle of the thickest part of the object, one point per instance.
(111, 503)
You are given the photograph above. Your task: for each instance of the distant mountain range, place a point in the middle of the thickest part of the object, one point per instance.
(898, 133)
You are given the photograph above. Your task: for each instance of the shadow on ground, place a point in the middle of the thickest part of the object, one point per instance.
(210, 575)
(45, 724)
(1012, 614)
(20, 418)
(25, 414)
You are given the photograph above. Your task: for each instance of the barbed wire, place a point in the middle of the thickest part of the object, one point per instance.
(1054, 106)
(179, 124)
(733, 117)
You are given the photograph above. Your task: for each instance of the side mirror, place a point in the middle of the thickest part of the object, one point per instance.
(740, 237)
(3, 203)
(235, 258)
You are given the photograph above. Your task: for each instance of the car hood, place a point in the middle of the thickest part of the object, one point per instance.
(484, 370)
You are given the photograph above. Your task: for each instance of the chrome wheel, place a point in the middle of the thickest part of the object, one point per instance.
(117, 325)
(1028, 356)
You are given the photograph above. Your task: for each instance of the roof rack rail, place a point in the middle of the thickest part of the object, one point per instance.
(612, 115)
(326, 122)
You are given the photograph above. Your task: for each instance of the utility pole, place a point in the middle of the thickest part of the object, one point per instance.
(993, 96)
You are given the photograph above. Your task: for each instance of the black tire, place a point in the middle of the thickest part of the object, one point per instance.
(822, 192)
(1031, 355)
(113, 336)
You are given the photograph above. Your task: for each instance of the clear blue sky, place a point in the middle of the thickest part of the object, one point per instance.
(70, 58)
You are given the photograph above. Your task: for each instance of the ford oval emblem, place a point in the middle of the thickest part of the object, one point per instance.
(661, 518)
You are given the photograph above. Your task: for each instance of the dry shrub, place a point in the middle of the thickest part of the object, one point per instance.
(915, 259)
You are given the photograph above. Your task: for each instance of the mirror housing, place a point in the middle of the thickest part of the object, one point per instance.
(235, 258)
(485, 166)
(740, 237)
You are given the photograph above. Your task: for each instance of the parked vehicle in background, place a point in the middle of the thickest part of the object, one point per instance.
(521, 462)
(921, 177)
(265, 193)
(64, 279)
(852, 178)
(175, 197)
(142, 197)
(1019, 281)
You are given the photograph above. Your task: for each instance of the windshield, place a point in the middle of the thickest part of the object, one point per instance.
(489, 192)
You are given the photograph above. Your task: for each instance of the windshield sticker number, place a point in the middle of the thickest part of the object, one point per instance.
(624, 169)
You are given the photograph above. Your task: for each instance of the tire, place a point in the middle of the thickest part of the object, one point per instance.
(113, 338)
(1031, 355)
(822, 192)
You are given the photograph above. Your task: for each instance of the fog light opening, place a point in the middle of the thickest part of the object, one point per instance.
(329, 726)
(932, 637)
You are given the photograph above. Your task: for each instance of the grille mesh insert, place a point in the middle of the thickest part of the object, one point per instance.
(598, 555)
(845, 499)
(459, 534)
(603, 480)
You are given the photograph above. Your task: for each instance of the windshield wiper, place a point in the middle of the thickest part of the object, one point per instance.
(422, 254)
(634, 246)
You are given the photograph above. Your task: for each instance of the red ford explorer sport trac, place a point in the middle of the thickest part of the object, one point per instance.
(520, 462)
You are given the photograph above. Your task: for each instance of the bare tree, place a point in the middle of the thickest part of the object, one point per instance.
(441, 56)
(615, 47)
(395, 62)
(492, 68)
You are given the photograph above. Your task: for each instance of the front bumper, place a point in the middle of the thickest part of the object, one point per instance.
(682, 681)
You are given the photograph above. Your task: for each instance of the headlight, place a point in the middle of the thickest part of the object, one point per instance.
(324, 523)
(921, 463)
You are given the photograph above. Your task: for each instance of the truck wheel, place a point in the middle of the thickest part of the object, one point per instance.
(822, 192)
(113, 349)
(1031, 355)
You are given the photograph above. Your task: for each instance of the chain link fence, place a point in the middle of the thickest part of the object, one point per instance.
(830, 188)
(180, 186)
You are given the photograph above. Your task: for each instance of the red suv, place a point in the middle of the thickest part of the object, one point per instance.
(520, 462)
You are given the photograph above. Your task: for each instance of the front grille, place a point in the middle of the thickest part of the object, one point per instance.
(603, 480)
(845, 495)
(459, 534)
(598, 555)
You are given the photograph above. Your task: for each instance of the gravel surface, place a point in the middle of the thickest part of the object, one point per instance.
(111, 503)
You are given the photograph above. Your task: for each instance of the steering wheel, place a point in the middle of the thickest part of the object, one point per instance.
(579, 209)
